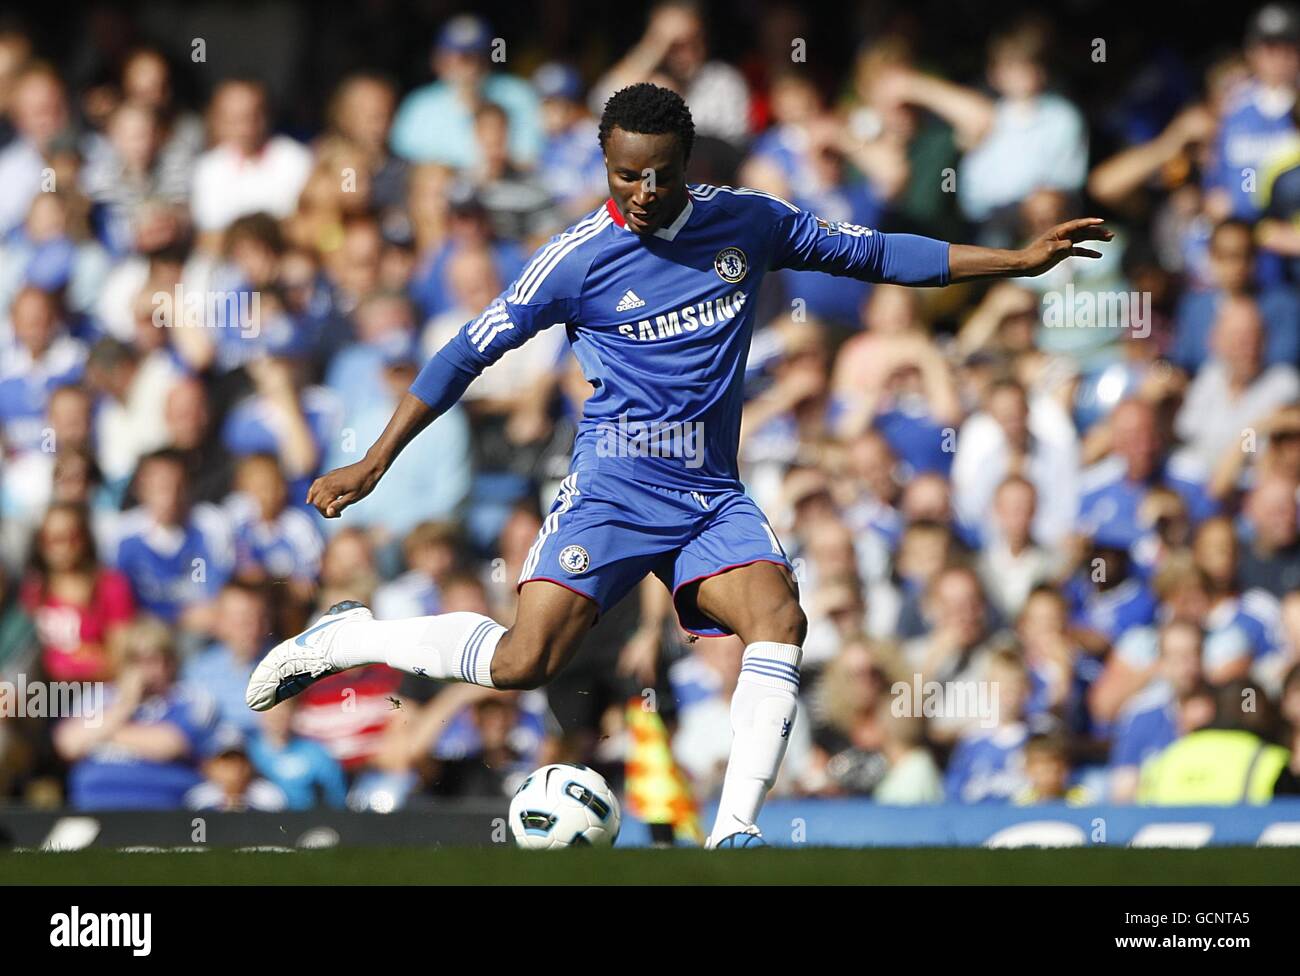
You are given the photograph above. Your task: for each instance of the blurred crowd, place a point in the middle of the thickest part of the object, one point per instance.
(1046, 531)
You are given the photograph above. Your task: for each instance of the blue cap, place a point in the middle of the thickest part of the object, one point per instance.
(558, 80)
(467, 34)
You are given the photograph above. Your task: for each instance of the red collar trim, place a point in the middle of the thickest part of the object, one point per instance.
(614, 214)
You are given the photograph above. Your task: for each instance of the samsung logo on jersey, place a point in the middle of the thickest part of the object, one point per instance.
(688, 319)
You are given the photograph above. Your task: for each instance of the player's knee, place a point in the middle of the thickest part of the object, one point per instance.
(783, 623)
(519, 673)
(790, 623)
(522, 665)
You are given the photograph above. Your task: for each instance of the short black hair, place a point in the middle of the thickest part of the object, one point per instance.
(651, 110)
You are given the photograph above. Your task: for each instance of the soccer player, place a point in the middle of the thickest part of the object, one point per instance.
(656, 290)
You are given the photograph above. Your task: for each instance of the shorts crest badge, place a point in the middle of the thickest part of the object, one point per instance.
(574, 559)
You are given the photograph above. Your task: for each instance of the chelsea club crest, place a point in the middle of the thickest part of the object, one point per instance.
(731, 264)
(574, 559)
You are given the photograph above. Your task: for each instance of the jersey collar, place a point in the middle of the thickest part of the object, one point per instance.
(667, 233)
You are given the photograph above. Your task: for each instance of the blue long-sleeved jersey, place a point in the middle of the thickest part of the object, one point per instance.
(662, 324)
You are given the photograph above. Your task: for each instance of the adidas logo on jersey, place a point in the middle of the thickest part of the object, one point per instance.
(629, 301)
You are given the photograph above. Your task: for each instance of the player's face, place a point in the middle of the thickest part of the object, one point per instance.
(647, 178)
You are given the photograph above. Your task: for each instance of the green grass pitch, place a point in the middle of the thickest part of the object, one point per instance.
(1108, 866)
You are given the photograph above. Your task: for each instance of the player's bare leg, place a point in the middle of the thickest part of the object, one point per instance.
(760, 602)
(549, 625)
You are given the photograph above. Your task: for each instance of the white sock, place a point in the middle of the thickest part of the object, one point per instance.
(449, 646)
(763, 711)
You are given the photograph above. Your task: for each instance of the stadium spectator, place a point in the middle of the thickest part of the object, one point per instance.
(430, 554)
(1026, 139)
(517, 204)
(42, 358)
(1288, 781)
(570, 164)
(383, 326)
(230, 781)
(361, 114)
(132, 386)
(29, 483)
(1173, 704)
(1270, 559)
(284, 415)
(848, 755)
(1047, 773)
(1233, 273)
(958, 643)
(1227, 761)
(988, 762)
(347, 569)
(475, 744)
(1114, 488)
(242, 629)
(1254, 612)
(147, 80)
(515, 542)
(1279, 454)
(145, 754)
(1013, 435)
(1061, 671)
(129, 174)
(1256, 121)
(303, 770)
(38, 111)
(247, 169)
(812, 159)
(405, 498)
(912, 776)
(674, 49)
(53, 250)
(273, 540)
(434, 124)
(1011, 565)
(75, 602)
(906, 390)
(191, 436)
(1234, 389)
(176, 555)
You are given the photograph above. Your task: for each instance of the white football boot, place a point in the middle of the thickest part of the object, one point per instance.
(293, 665)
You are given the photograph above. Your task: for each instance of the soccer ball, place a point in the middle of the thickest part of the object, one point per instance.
(564, 805)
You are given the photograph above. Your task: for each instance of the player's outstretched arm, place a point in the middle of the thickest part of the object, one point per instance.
(966, 262)
(334, 491)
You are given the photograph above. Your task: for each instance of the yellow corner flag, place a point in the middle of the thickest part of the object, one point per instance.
(655, 787)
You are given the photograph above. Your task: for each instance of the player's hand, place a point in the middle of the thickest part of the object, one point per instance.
(331, 493)
(1062, 242)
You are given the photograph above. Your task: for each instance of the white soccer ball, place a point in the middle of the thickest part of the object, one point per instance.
(564, 805)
